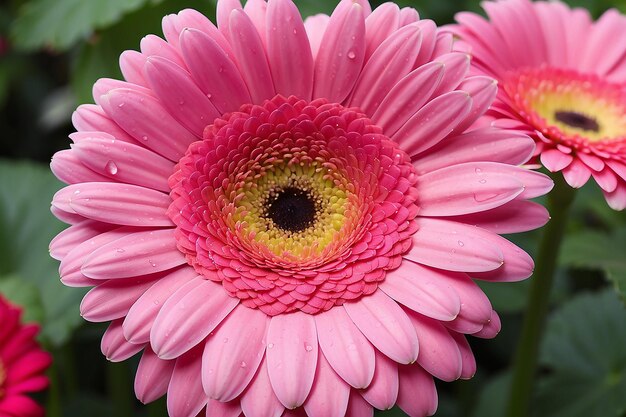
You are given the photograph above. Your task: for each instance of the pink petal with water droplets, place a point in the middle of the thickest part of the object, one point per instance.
(329, 395)
(555, 160)
(576, 174)
(185, 397)
(386, 326)
(413, 379)
(407, 97)
(420, 289)
(286, 37)
(382, 393)
(486, 144)
(144, 311)
(383, 21)
(231, 358)
(453, 246)
(149, 123)
(483, 90)
(358, 407)
(216, 408)
(388, 65)
(340, 57)
(439, 353)
(464, 189)
(514, 217)
(259, 399)
(67, 167)
(188, 316)
(152, 45)
(112, 299)
(103, 85)
(251, 58)
(114, 346)
(153, 376)
(216, 74)
(349, 353)
(456, 67)
(292, 352)
(180, 95)
(433, 122)
(135, 254)
(518, 265)
(125, 162)
(192, 19)
(70, 238)
(92, 118)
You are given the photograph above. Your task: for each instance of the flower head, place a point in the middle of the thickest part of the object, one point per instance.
(567, 89)
(287, 215)
(22, 364)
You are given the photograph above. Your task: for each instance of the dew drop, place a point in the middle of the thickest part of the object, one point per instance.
(243, 364)
(155, 302)
(152, 263)
(144, 137)
(271, 345)
(120, 250)
(308, 347)
(76, 192)
(111, 168)
(460, 242)
(120, 105)
(478, 170)
(351, 55)
(225, 340)
(483, 181)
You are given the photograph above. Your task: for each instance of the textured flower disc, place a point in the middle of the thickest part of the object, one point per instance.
(22, 364)
(286, 217)
(568, 91)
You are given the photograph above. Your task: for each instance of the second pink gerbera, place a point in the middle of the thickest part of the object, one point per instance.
(562, 79)
(286, 216)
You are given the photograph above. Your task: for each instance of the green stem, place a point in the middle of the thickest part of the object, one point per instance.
(53, 403)
(526, 357)
(120, 389)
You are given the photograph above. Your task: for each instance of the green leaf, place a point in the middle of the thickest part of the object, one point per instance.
(595, 250)
(59, 24)
(25, 295)
(584, 348)
(26, 228)
(493, 397)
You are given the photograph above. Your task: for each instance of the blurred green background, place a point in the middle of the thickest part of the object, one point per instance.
(51, 52)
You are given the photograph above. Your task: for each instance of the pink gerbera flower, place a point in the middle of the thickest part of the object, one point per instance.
(563, 80)
(22, 364)
(287, 216)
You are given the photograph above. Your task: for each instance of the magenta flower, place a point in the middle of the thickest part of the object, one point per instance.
(288, 216)
(563, 80)
(22, 364)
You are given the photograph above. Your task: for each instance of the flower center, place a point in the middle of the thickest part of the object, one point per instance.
(294, 205)
(577, 120)
(569, 107)
(292, 209)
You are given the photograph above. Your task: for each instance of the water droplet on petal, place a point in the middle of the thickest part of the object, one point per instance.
(120, 250)
(243, 364)
(271, 345)
(111, 168)
(308, 347)
(144, 137)
(483, 181)
(460, 242)
(351, 55)
(225, 340)
(478, 170)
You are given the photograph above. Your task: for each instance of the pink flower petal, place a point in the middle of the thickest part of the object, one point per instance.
(67, 167)
(606, 179)
(491, 329)
(413, 379)
(222, 14)
(576, 174)
(230, 360)
(315, 28)
(26, 366)
(131, 64)
(141, 316)
(467, 357)
(153, 376)
(383, 21)
(216, 408)
(125, 162)
(149, 123)
(486, 144)
(555, 160)
(112, 299)
(216, 74)
(408, 96)
(514, 217)
(518, 265)
(152, 45)
(114, 346)
(466, 188)
(340, 57)
(19, 405)
(386, 326)
(249, 50)
(329, 395)
(73, 236)
(347, 350)
(382, 393)
(453, 246)
(617, 198)
(420, 289)
(257, 11)
(358, 407)
(456, 67)
(292, 352)
(36, 383)
(286, 37)
(439, 353)
(259, 399)
(185, 396)
(433, 122)
(188, 316)
(174, 25)
(483, 91)
(133, 255)
(92, 118)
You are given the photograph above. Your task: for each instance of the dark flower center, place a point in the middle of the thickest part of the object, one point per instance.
(577, 120)
(292, 209)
